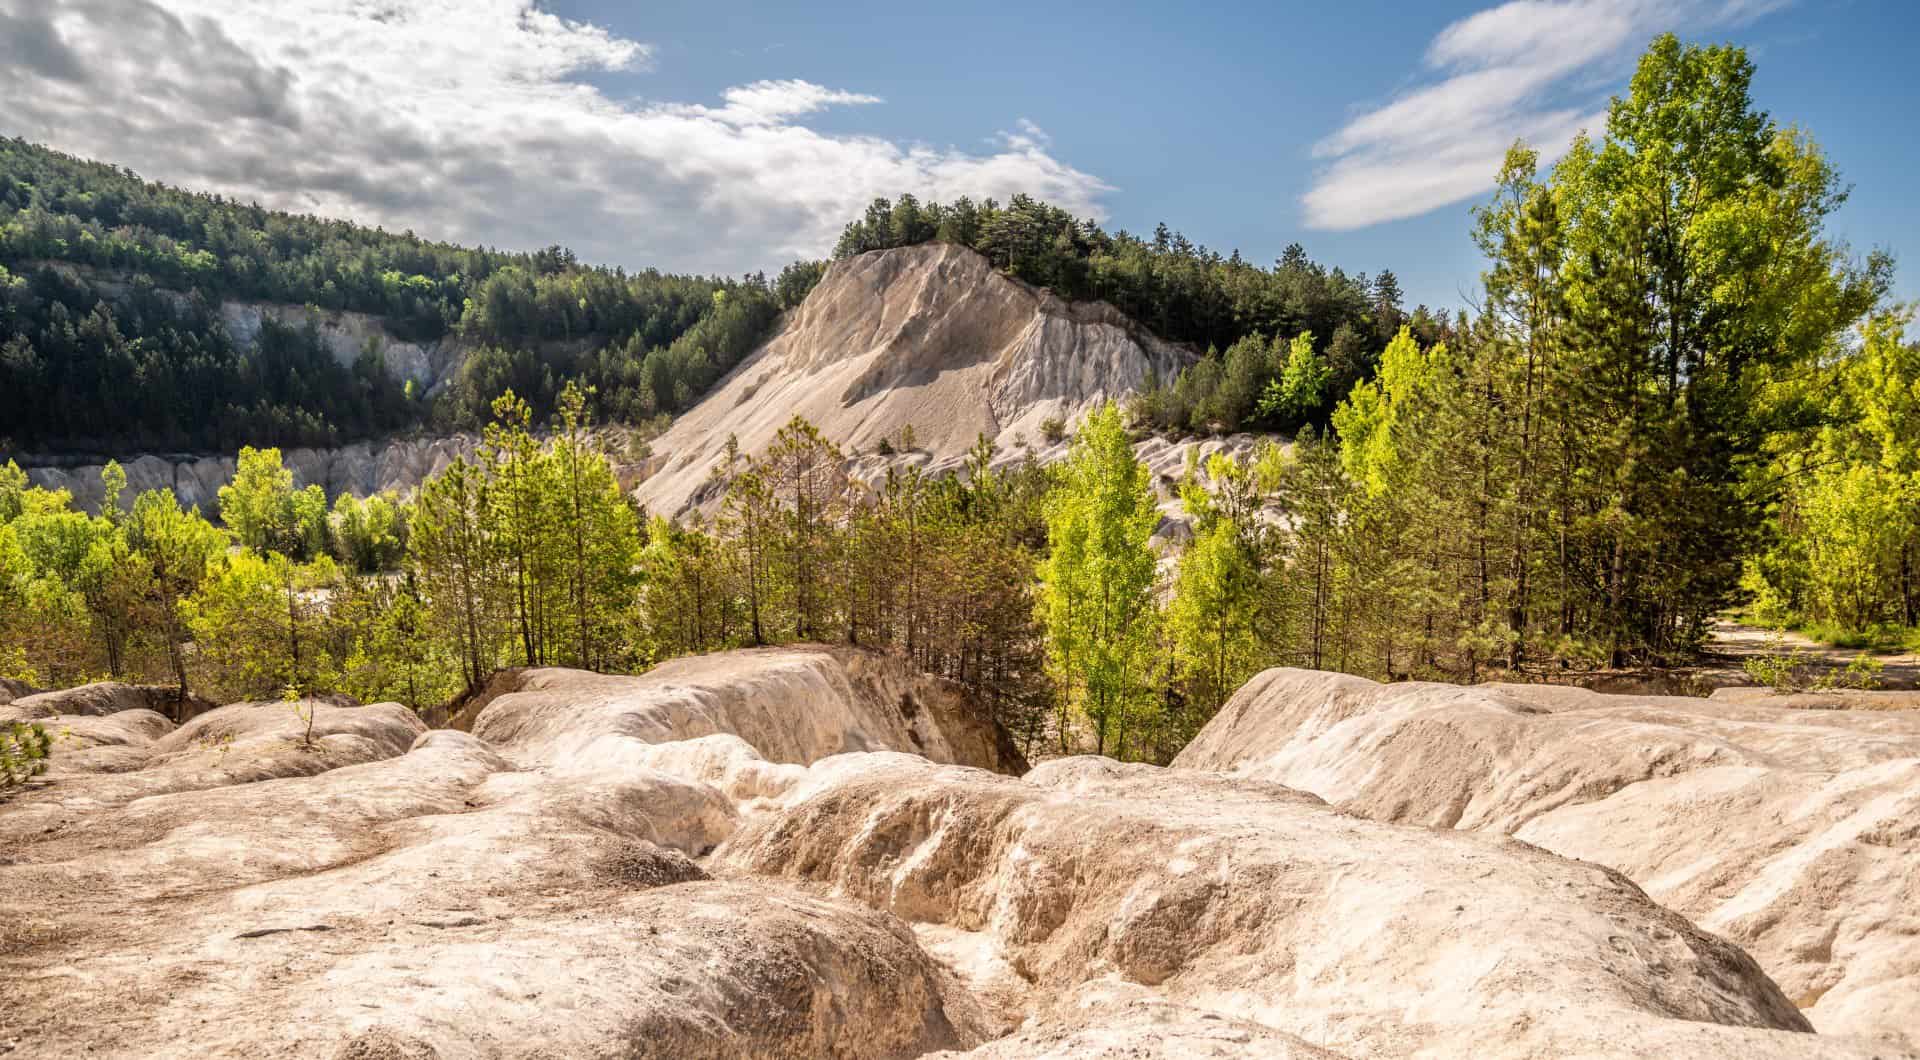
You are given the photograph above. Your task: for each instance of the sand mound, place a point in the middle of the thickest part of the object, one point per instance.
(1793, 832)
(1239, 897)
(781, 705)
(98, 699)
(930, 337)
(742, 856)
(441, 903)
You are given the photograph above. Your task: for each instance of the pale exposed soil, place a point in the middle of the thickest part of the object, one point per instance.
(1794, 832)
(815, 852)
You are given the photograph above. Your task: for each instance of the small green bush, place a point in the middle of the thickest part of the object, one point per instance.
(1862, 674)
(23, 752)
(1783, 672)
(1053, 429)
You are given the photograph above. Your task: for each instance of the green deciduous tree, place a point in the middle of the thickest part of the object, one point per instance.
(1098, 581)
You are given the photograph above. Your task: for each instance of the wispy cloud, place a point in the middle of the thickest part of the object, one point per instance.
(1537, 70)
(473, 120)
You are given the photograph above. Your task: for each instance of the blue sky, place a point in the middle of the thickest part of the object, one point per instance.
(722, 138)
(1206, 116)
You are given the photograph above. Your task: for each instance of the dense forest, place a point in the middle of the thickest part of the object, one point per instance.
(111, 334)
(1680, 395)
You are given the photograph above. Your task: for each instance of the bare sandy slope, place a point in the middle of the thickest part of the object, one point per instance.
(793, 853)
(931, 337)
(1793, 832)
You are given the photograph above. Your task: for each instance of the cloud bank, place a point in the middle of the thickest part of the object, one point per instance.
(1538, 70)
(472, 121)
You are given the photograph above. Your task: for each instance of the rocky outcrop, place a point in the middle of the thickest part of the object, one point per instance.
(930, 337)
(1793, 832)
(790, 705)
(347, 335)
(362, 469)
(742, 856)
(100, 699)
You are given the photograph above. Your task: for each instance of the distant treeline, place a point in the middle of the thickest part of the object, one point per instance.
(1240, 315)
(126, 349)
(111, 337)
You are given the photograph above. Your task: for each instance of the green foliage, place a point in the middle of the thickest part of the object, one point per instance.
(24, 747)
(528, 556)
(1798, 671)
(1301, 386)
(1182, 292)
(393, 651)
(369, 535)
(1863, 673)
(1844, 560)
(941, 570)
(1583, 467)
(265, 512)
(633, 379)
(1097, 581)
(111, 331)
(259, 621)
(1221, 587)
(796, 281)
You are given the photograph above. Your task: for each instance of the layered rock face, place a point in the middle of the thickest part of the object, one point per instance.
(1793, 832)
(793, 853)
(930, 337)
(347, 335)
(362, 469)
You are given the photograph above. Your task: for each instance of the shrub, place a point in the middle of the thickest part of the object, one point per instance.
(1862, 674)
(1783, 672)
(1053, 429)
(23, 752)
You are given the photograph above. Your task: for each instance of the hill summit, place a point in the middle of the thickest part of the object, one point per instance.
(925, 348)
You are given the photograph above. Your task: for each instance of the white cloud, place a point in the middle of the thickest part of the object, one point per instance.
(1522, 70)
(472, 120)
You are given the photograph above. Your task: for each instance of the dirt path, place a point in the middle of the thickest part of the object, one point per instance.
(1732, 643)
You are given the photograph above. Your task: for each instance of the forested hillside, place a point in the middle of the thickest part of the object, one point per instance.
(1245, 318)
(110, 337)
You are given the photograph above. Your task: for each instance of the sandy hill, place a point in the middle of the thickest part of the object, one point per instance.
(816, 852)
(930, 337)
(1793, 832)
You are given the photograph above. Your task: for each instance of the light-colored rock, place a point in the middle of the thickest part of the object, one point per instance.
(1247, 899)
(784, 705)
(361, 469)
(1833, 699)
(929, 337)
(550, 885)
(1112, 1019)
(442, 904)
(102, 698)
(347, 334)
(1793, 832)
(12, 689)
